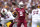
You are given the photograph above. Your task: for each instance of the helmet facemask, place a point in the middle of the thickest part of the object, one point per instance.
(21, 5)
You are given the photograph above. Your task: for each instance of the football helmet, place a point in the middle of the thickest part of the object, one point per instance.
(4, 11)
(21, 4)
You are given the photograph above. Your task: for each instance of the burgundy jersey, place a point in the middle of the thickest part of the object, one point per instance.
(21, 12)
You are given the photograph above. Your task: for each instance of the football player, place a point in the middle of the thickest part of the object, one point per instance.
(6, 16)
(35, 17)
(21, 15)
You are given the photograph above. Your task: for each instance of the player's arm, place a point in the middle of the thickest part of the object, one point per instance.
(10, 16)
(26, 12)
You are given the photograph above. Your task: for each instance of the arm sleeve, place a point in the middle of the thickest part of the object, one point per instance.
(26, 11)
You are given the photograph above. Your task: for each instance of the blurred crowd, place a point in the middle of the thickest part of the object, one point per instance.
(13, 4)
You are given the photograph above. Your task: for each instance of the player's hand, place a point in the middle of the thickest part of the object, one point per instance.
(15, 20)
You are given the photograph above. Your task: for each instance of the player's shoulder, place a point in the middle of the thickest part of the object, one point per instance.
(17, 8)
(23, 9)
(33, 9)
(9, 12)
(38, 8)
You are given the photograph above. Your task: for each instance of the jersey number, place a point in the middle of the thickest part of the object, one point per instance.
(35, 12)
(21, 13)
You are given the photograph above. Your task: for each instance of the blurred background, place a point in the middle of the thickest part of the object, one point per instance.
(13, 4)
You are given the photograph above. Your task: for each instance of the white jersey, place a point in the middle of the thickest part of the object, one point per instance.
(9, 16)
(35, 14)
